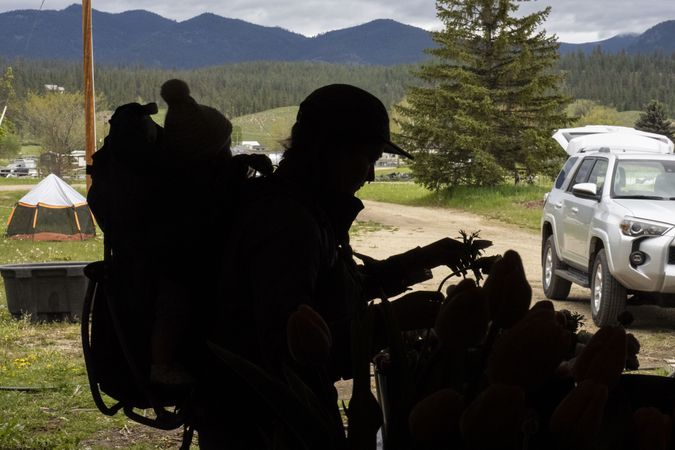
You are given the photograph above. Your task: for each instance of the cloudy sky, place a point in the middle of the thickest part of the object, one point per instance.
(571, 20)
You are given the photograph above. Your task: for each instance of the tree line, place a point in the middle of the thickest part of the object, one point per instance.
(624, 81)
(234, 89)
(482, 108)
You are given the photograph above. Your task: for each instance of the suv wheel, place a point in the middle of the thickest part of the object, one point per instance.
(555, 288)
(608, 296)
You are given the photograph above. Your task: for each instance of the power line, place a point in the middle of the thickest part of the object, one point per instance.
(30, 35)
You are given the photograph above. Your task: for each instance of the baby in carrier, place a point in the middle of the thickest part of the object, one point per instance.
(194, 165)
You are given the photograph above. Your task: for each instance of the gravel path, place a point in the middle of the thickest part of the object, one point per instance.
(27, 187)
(406, 227)
(16, 187)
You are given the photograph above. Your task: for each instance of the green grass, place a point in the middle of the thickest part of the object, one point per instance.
(59, 412)
(359, 228)
(159, 117)
(30, 150)
(628, 118)
(18, 181)
(267, 127)
(381, 171)
(520, 205)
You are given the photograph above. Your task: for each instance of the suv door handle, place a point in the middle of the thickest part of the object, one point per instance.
(558, 205)
(575, 209)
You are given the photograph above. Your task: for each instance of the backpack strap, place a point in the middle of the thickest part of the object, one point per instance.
(188, 434)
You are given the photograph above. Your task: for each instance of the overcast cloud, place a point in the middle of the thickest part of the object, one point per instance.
(571, 20)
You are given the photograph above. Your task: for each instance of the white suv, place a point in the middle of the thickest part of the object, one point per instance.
(609, 220)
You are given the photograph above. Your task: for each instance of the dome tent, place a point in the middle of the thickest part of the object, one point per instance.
(51, 211)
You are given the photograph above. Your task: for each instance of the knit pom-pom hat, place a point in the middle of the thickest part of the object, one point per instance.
(193, 132)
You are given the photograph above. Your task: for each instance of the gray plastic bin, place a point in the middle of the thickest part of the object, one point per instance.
(47, 291)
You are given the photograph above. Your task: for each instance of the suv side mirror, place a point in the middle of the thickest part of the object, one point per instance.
(586, 190)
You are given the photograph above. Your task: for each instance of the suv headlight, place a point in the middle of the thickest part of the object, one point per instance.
(634, 227)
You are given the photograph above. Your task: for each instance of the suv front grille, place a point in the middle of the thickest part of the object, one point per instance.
(671, 255)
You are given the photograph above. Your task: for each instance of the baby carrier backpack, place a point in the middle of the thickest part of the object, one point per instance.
(132, 197)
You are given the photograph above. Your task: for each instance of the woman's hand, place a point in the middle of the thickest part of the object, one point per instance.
(450, 252)
(417, 310)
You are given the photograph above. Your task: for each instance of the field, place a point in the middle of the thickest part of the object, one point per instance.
(44, 394)
(267, 127)
(45, 401)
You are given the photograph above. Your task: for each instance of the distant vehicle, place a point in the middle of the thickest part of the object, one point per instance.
(609, 220)
(21, 167)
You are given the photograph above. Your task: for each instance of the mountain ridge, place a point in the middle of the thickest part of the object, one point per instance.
(140, 37)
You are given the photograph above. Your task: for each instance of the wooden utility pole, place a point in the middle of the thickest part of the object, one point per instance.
(89, 104)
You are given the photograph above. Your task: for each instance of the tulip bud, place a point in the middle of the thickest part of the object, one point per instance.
(528, 354)
(652, 428)
(508, 292)
(308, 337)
(435, 419)
(632, 350)
(577, 418)
(494, 419)
(462, 321)
(604, 358)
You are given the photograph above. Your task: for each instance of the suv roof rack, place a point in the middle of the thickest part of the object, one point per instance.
(611, 138)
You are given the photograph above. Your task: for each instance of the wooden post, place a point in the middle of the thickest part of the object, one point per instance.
(89, 104)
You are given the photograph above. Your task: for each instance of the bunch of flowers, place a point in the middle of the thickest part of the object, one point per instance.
(498, 372)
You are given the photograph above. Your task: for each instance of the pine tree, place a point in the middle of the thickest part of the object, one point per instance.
(655, 120)
(490, 101)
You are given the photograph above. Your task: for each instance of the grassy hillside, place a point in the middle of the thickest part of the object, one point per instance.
(274, 125)
(271, 126)
(628, 118)
(267, 127)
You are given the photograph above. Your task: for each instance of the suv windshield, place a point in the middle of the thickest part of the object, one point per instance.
(648, 179)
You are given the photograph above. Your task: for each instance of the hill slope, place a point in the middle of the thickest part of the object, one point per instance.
(267, 127)
(144, 38)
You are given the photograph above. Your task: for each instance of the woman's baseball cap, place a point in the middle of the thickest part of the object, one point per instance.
(347, 112)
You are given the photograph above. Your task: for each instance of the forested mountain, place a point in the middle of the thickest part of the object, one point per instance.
(659, 38)
(143, 38)
(624, 81)
(380, 42)
(612, 45)
(147, 39)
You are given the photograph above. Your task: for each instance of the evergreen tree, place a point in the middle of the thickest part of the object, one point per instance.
(655, 120)
(490, 100)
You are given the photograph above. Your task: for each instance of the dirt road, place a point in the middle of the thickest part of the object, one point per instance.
(406, 227)
(27, 187)
(16, 187)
